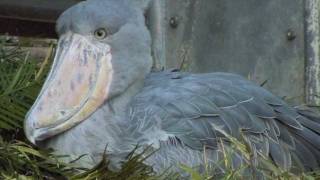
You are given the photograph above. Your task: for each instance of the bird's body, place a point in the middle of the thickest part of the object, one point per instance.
(189, 118)
(182, 113)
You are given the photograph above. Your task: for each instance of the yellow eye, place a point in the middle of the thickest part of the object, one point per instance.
(101, 33)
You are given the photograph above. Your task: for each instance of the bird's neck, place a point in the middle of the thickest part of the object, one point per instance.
(118, 105)
(107, 127)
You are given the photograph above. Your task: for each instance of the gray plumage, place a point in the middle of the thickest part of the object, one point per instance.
(182, 113)
(178, 113)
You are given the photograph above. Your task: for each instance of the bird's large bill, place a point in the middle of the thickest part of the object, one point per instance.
(76, 86)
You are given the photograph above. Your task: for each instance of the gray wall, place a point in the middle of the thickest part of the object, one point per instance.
(247, 37)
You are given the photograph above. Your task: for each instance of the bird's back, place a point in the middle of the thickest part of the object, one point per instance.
(188, 114)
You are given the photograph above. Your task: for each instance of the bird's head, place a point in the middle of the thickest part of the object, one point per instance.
(103, 48)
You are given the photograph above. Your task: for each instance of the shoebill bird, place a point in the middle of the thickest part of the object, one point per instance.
(101, 92)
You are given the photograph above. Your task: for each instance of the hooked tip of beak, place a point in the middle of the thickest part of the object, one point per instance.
(33, 133)
(29, 129)
(30, 136)
(32, 140)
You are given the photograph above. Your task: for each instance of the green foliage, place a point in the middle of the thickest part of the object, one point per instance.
(20, 160)
(20, 82)
(133, 169)
(265, 167)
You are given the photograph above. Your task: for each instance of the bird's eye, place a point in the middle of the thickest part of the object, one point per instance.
(101, 33)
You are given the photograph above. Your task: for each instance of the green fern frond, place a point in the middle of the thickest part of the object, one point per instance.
(20, 83)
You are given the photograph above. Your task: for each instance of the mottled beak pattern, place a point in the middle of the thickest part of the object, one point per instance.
(77, 85)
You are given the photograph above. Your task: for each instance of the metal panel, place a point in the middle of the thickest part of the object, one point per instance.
(261, 40)
(312, 35)
(156, 23)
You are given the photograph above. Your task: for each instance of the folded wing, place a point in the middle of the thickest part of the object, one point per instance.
(203, 110)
